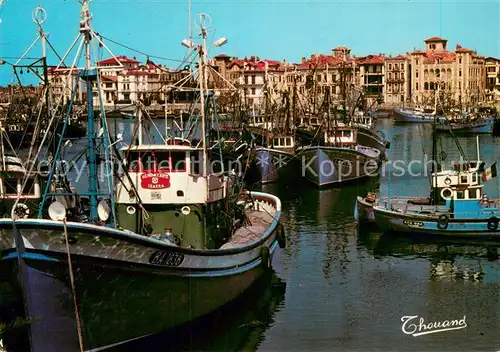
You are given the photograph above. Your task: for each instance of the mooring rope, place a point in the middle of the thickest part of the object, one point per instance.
(73, 290)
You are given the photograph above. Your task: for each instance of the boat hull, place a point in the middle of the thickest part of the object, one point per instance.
(372, 139)
(408, 116)
(127, 286)
(329, 166)
(399, 222)
(276, 165)
(484, 127)
(364, 211)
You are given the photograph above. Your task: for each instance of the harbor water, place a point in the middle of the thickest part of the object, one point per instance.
(339, 286)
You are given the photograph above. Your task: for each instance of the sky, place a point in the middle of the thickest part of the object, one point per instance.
(272, 29)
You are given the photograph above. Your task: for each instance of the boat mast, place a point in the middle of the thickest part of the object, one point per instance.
(434, 188)
(202, 81)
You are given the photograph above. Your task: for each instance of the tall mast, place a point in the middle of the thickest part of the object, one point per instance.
(435, 190)
(89, 74)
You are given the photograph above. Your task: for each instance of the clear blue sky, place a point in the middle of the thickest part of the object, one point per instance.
(271, 29)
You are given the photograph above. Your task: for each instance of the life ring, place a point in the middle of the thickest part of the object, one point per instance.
(265, 257)
(131, 210)
(447, 181)
(186, 210)
(443, 221)
(20, 211)
(280, 235)
(446, 190)
(493, 223)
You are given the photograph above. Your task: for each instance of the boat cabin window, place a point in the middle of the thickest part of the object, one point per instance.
(463, 179)
(196, 163)
(29, 186)
(460, 195)
(474, 178)
(10, 185)
(288, 142)
(473, 194)
(155, 161)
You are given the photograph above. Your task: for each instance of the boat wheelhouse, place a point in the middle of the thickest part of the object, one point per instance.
(167, 182)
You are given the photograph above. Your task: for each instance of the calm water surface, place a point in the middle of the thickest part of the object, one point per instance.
(340, 287)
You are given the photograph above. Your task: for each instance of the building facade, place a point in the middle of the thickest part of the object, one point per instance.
(460, 74)
(397, 80)
(123, 81)
(492, 91)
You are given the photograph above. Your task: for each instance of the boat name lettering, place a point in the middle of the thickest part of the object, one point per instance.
(413, 223)
(155, 180)
(166, 258)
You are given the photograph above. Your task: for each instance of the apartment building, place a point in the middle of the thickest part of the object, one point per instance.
(492, 89)
(397, 80)
(460, 73)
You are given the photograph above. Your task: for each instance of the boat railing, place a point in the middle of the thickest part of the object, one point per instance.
(438, 210)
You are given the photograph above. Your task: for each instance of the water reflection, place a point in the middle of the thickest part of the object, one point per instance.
(449, 259)
(239, 326)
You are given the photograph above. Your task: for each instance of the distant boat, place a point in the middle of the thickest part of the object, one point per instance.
(127, 115)
(478, 126)
(339, 160)
(415, 116)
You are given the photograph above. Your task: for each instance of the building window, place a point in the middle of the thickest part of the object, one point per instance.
(390, 67)
(253, 91)
(460, 60)
(460, 73)
(416, 86)
(416, 74)
(402, 66)
(416, 61)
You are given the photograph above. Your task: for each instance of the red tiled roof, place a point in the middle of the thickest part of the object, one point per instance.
(122, 59)
(61, 70)
(372, 60)
(460, 49)
(320, 61)
(110, 78)
(399, 57)
(435, 39)
(256, 65)
(441, 56)
(141, 73)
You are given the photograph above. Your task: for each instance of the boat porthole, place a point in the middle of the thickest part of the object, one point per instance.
(446, 193)
(447, 180)
(131, 210)
(186, 210)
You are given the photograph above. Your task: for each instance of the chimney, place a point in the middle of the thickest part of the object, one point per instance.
(303, 60)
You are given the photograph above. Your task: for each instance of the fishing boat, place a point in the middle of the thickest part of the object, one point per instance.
(131, 257)
(367, 134)
(402, 115)
(458, 208)
(127, 115)
(339, 159)
(481, 125)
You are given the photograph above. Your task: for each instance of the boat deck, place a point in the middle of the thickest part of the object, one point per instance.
(259, 222)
